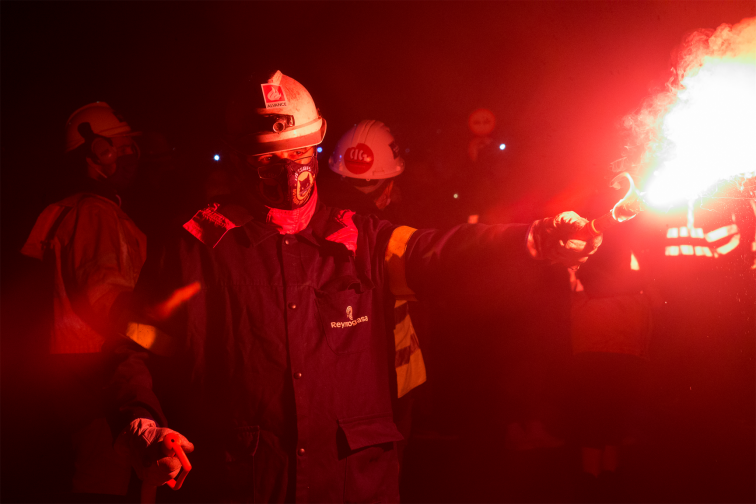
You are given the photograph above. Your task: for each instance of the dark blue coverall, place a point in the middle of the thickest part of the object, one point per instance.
(279, 368)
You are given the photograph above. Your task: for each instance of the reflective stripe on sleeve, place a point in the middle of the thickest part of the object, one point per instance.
(150, 338)
(396, 263)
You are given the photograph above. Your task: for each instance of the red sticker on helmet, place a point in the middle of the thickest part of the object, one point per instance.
(274, 96)
(358, 159)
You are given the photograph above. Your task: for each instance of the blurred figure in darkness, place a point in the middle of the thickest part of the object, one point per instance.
(612, 323)
(92, 253)
(701, 256)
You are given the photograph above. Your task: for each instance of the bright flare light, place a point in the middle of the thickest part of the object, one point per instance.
(710, 132)
(703, 129)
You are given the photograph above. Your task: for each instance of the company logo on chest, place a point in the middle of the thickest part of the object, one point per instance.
(351, 322)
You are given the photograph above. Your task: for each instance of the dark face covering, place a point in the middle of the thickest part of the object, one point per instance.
(290, 189)
(126, 168)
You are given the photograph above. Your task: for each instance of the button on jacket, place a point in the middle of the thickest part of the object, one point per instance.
(279, 368)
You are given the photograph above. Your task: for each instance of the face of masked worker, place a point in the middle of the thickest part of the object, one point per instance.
(126, 169)
(381, 191)
(120, 174)
(284, 179)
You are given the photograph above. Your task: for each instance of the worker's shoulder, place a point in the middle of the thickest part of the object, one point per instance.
(211, 223)
(83, 199)
(360, 219)
(88, 207)
(86, 201)
(368, 229)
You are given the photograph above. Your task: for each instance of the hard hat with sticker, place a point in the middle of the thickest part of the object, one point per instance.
(286, 118)
(367, 151)
(358, 159)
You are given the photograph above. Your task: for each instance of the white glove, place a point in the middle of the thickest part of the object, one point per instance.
(562, 239)
(142, 443)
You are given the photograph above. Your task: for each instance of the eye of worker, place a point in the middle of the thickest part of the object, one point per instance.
(300, 156)
(125, 146)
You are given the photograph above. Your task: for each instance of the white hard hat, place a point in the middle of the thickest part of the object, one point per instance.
(101, 118)
(272, 113)
(367, 151)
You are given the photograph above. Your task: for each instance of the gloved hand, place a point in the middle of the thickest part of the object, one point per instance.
(141, 442)
(562, 239)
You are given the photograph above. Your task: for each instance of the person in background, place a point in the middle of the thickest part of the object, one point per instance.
(368, 163)
(612, 324)
(92, 253)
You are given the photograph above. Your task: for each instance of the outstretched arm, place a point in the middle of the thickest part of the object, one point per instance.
(473, 263)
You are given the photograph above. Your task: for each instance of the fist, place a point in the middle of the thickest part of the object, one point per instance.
(147, 452)
(562, 239)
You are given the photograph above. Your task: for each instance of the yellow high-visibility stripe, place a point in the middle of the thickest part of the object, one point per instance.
(411, 375)
(409, 363)
(150, 338)
(396, 263)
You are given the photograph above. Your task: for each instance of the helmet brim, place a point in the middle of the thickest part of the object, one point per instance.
(250, 144)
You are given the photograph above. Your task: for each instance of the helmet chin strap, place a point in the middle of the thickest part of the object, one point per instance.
(100, 172)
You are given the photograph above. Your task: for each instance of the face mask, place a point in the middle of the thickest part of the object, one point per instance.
(384, 197)
(126, 167)
(291, 188)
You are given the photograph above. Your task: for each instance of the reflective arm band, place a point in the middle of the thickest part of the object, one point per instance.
(408, 359)
(396, 263)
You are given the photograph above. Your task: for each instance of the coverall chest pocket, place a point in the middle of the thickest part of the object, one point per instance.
(344, 306)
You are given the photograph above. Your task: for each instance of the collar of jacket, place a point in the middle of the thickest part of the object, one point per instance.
(333, 225)
(211, 224)
(100, 188)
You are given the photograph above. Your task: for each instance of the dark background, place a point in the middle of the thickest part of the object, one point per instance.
(558, 75)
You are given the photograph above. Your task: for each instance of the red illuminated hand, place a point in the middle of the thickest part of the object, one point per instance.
(561, 240)
(148, 454)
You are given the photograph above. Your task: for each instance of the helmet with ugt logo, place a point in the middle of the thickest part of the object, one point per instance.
(367, 151)
(272, 112)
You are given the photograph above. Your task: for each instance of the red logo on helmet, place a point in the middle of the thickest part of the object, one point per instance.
(358, 159)
(274, 95)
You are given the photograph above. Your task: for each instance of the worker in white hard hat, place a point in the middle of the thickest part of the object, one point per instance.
(93, 253)
(265, 326)
(367, 161)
